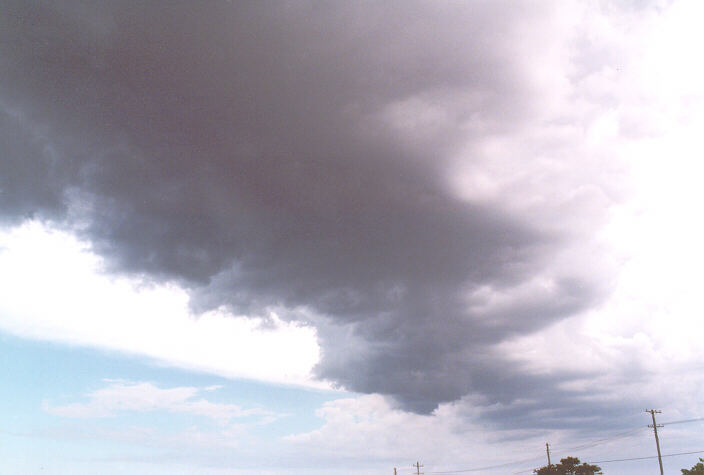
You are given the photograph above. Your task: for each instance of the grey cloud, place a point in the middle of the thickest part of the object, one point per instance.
(244, 150)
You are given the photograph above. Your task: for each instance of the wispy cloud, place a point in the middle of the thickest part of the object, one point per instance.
(124, 396)
(428, 193)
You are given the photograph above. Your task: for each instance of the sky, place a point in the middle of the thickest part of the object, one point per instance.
(343, 237)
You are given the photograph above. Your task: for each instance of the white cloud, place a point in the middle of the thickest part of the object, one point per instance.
(452, 438)
(642, 108)
(368, 428)
(53, 289)
(122, 396)
(651, 324)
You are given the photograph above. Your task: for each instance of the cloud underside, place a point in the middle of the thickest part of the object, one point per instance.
(302, 157)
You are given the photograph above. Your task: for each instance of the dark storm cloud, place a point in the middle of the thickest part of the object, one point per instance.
(248, 150)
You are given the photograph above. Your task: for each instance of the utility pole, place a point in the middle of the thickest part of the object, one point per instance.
(655, 429)
(547, 448)
(417, 465)
(395, 471)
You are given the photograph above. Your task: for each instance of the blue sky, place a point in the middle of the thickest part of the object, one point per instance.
(104, 408)
(42, 377)
(343, 237)
(151, 438)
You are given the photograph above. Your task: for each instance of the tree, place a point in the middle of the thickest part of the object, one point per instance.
(698, 469)
(571, 466)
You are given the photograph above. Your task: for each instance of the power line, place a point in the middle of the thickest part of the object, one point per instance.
(594, 462)
(683, 421)
(594, 443)
(630, 459)
(479, 469)
(589, 445)
(578, 447)
(650, 457)
(586, 445)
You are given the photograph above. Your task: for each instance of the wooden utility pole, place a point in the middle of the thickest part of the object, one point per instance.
(547, 448)
(655, 429)
(417, 465)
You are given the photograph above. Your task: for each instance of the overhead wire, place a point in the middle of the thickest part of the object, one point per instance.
(627, 433)
(604, 440)
(630, 459)
(489, 467)
(587, 445)
(650, 457)
(683, 421)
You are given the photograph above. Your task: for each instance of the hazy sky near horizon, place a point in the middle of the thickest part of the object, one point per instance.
(441, 217)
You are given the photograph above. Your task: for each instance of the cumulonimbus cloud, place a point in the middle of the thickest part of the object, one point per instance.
(306, 156)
